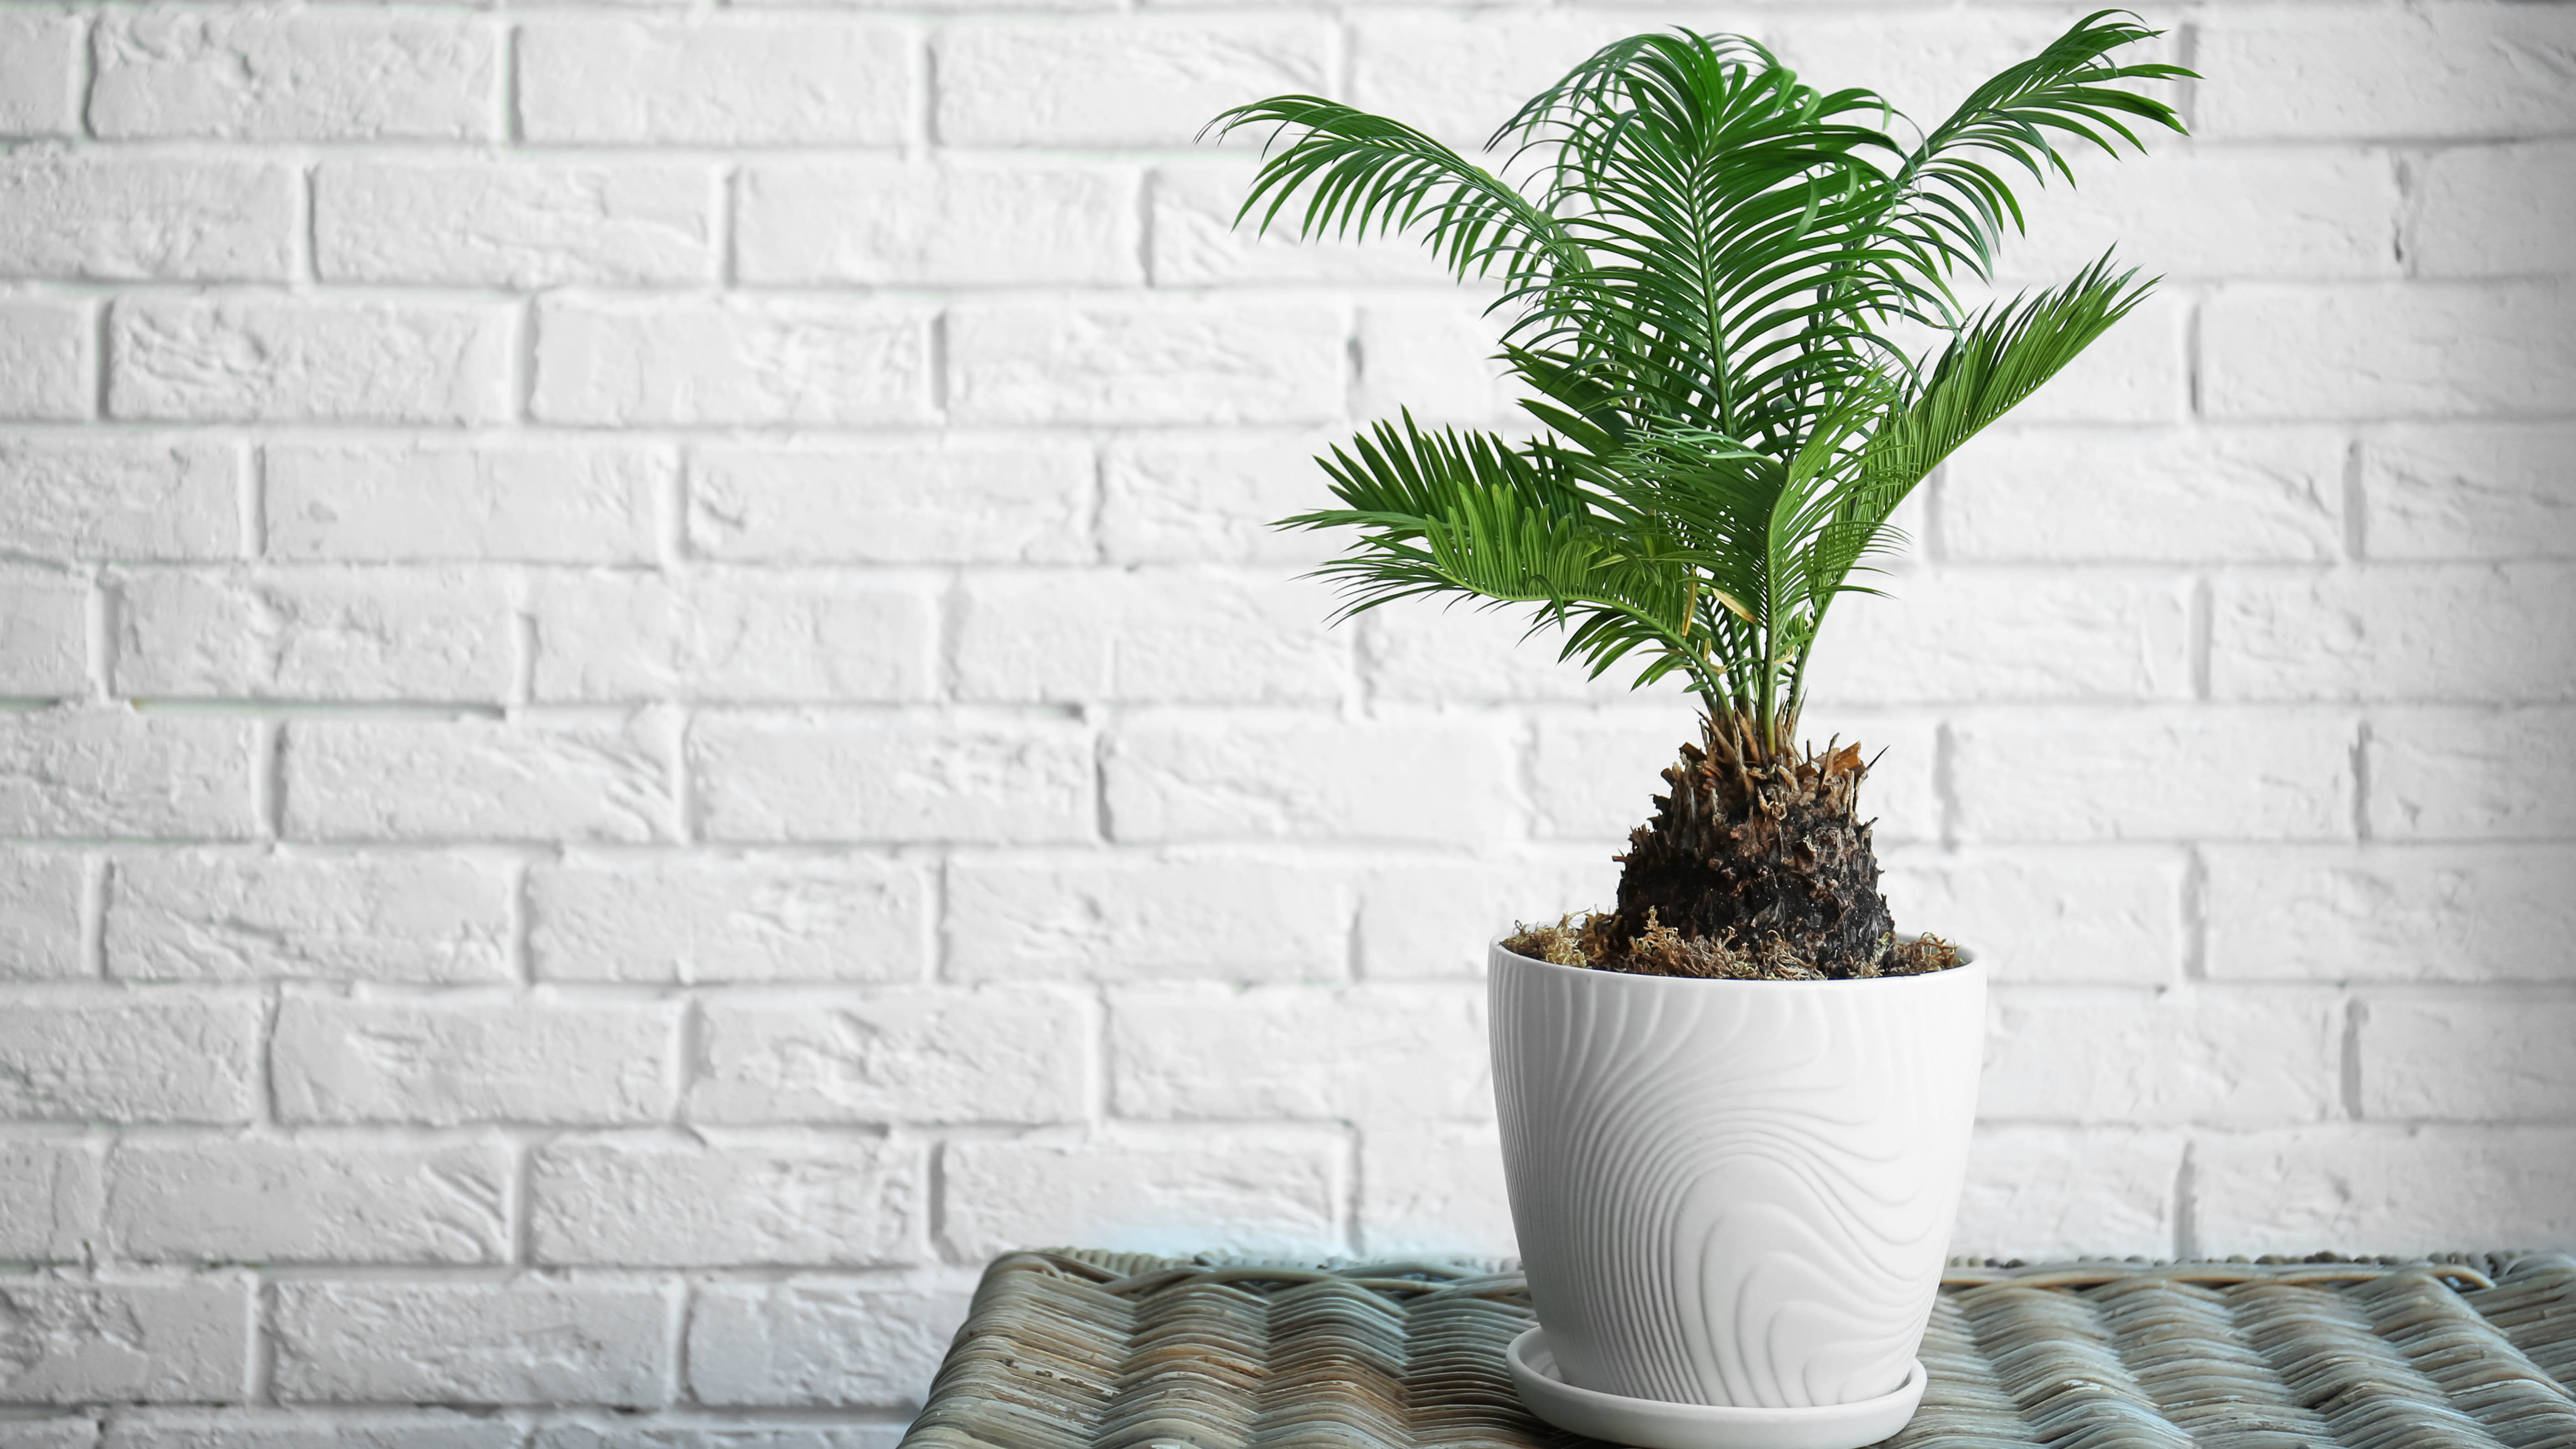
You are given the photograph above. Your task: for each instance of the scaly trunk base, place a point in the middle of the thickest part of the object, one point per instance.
(1751, 868)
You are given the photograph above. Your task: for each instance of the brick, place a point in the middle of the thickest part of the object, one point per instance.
(2467, 1058)
(2378, 353)
(40, 60)
(296, 1429)
(306, 359)
(1123, 918)
(533, 778)
(2339, 73)
(1971, 636)
(1489, 63)
(732, 360)
(2481, 211)
(1197, 243)
(2021, 1202)
(893, 1055)
(2377, 1189)
(1190, 777)
(1433, 919)
(2307, 214)
(2225, 1056)
(888, 223)
(492, 502)
(2469, 492)
(1168, 360)
(1434, 358)
(844, 918)
(2154, 775)
(892, 778)
(44, 634)
(1434, 1189)
(525, 1341)
(307, 1201)
(218, 918)
(1594, 777)
(2394, 632)
(1124, 82)
(1156, 636)
(722, 81)
(363, 635)
(1206, 498)
(130, 1058)
(85, 215)
(2453, 775)
(2090, 917)
(2376, 912)
(113, 772)
(819, 1342)
(941, 500)
(677, 1202)
(48, 359)
(1363, 1053)
(264, 75)
(49, 1201)
(2138, 372)
(40, 917)
(153, 1343)
(66, 497)
(2052, 495)
(57, 1431)
(1924, 61)
(1260, 1193)
(441, 1062)
(514, 224)
(730, 636)
(1429, 652)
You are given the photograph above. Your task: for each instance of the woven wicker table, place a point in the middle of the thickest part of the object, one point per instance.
(1082, 1350)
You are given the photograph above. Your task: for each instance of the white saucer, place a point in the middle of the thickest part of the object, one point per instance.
(1654, 1424)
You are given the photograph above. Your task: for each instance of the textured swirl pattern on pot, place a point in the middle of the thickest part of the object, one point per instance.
(1734, 1192)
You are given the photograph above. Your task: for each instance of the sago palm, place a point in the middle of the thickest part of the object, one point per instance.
(1700, 274)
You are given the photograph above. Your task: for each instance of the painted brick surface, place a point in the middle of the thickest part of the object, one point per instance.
(417, 502)
(527, 1341)
(998, 500)
(905, 1054)
(261, 358)
(40, 923)
(647, 703)
(120, 497)
(374, 635)
(845, 918)
(235, 1201)
(817, 1342)
(681, 1202)
(154, 1343)
(1251, 1191)
(197, 916)
(444, 1062)
(214, 221)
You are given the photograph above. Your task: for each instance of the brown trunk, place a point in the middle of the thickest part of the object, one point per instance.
(1765, 857)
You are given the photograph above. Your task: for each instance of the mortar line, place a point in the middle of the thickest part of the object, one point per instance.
(2356, 1015)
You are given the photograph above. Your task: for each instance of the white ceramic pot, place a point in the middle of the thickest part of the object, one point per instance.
(1734, 1192)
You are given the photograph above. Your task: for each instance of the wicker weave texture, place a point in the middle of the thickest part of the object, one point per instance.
(1082, 1350)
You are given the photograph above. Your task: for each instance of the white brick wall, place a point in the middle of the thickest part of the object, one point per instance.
(644, 708)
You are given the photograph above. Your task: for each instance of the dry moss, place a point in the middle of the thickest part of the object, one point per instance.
(1660, 950)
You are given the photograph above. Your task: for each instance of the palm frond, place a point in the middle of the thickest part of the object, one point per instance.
(1697, 281)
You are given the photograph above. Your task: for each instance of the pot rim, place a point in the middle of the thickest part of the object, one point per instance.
(1968, 963)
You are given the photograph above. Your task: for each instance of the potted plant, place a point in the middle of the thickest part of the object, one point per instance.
(1735, 1108)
